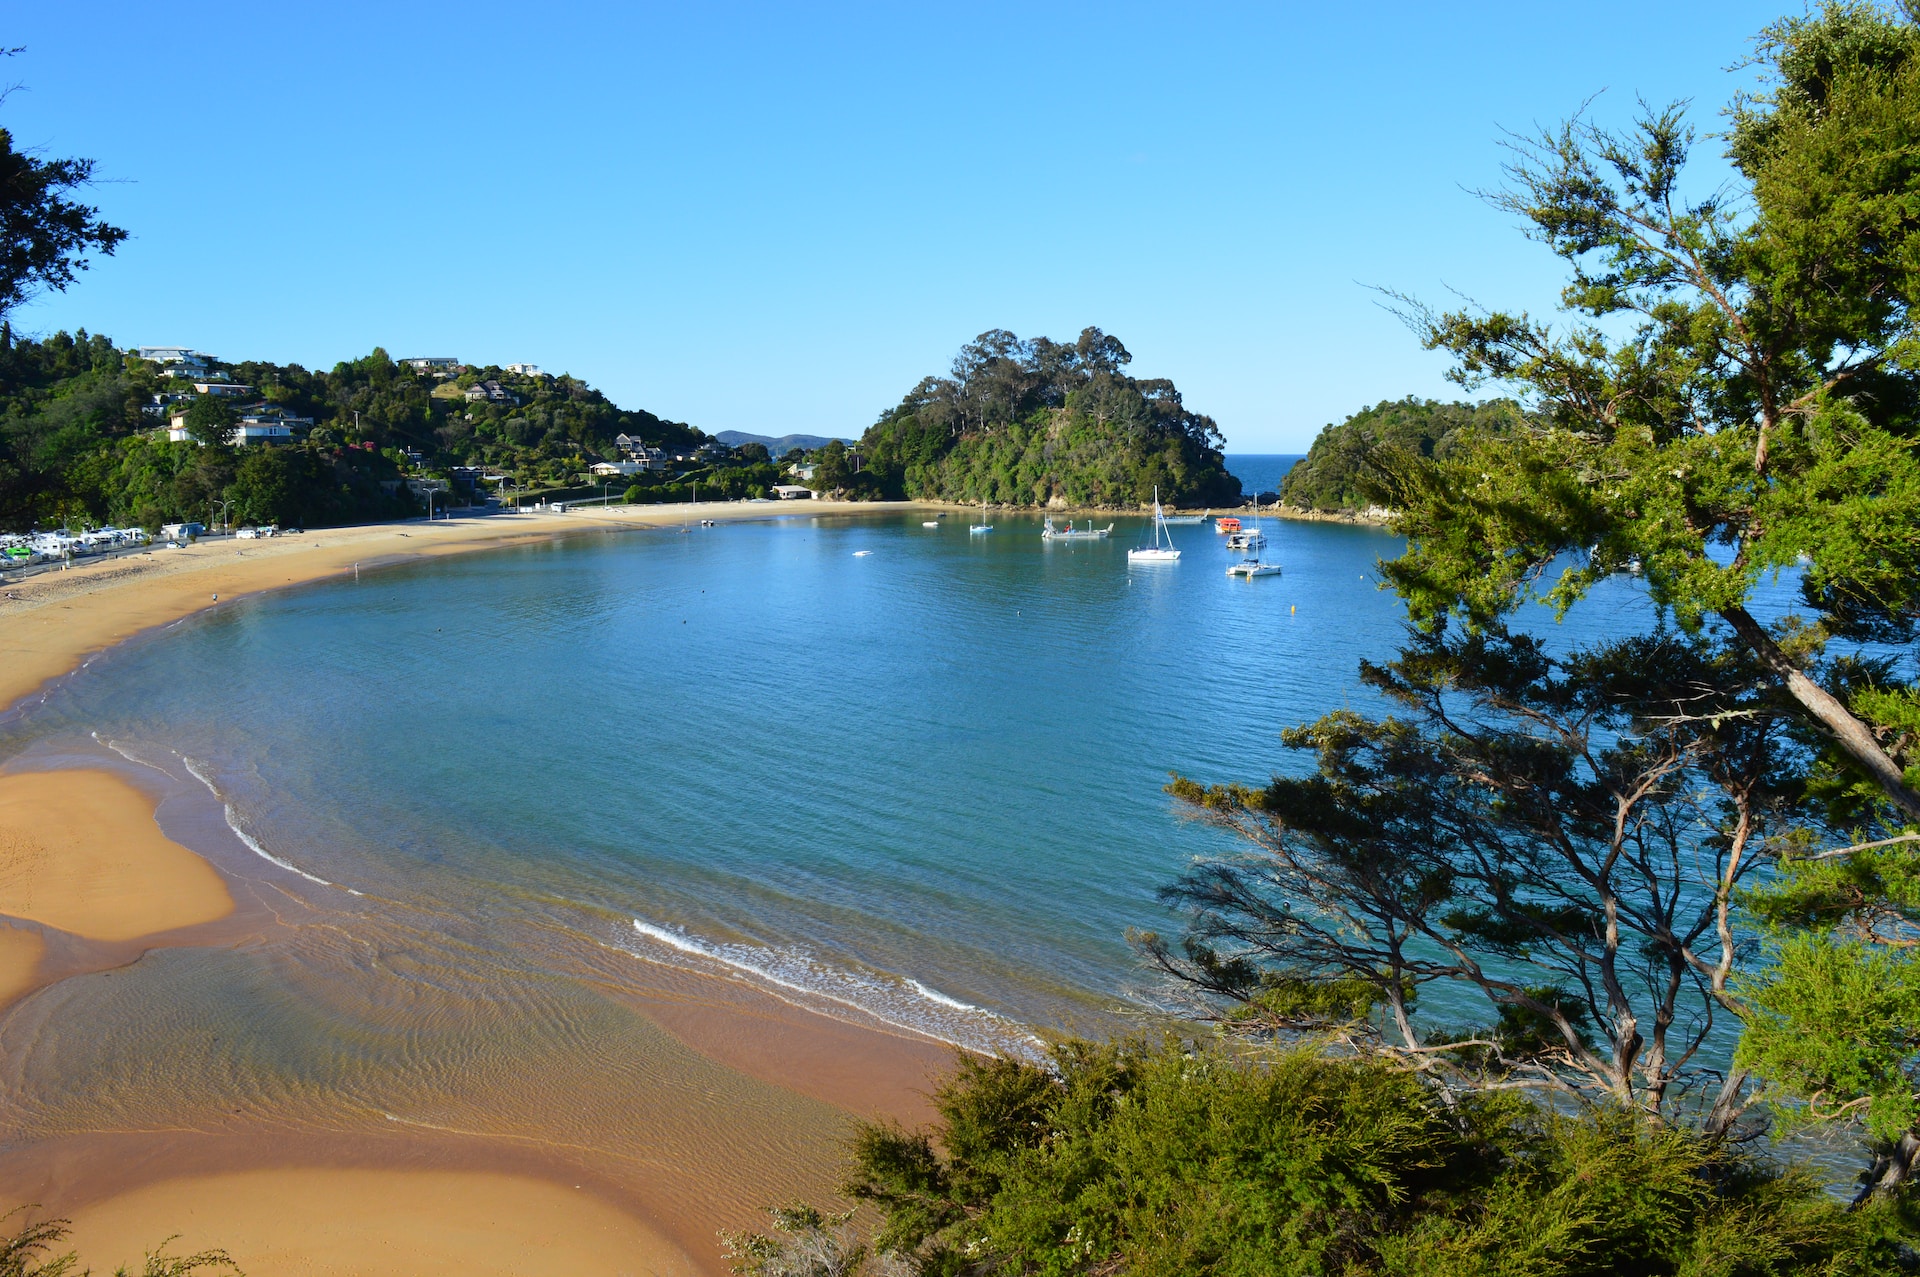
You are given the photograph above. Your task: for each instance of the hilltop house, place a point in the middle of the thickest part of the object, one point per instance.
(438, 365)
(525, 370)
(222, 389)
(176, 361)
(490, 391)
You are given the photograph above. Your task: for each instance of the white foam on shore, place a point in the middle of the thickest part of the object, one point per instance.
(252, 843)
(904, 1003)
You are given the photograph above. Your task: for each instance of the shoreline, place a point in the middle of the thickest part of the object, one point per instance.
(380, 1194)
(51, 623)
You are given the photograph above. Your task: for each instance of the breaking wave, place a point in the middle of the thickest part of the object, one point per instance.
(252, 843)
(798, 977)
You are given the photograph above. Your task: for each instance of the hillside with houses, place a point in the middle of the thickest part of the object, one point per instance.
(93, 434)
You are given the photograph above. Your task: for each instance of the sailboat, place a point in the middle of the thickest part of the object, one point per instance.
(1251, 566)
(1156, 553)
(983, 525)
(1248, 538)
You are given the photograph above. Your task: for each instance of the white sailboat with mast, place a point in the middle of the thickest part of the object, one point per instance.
(1162, 550)
(983, 525)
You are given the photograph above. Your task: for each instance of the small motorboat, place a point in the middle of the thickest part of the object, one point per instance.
(1189, 519)
(931, 523)
(1226, 523)
(1071, 533)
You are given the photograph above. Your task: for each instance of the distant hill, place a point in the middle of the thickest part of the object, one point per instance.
(778, 447)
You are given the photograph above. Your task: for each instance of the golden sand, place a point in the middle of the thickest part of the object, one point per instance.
(20, 952)
(80, 852)
(314, 1222)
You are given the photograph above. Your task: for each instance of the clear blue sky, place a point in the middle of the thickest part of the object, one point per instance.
(778, 218)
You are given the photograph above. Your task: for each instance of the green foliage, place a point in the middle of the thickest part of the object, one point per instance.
(1337, 474)
(29, 1253)
(44, 234)
(1561, 838)
(1031, 422)
(804, 1243)
(1734, 392)
(1174, 1161)
(76, 445)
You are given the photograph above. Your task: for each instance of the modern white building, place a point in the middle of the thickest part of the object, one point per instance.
(438, 365)
(609, 469)
(526, 370)
(222, 389)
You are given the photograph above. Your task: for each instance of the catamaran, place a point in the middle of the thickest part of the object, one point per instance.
(1071, 533)
(1250, 538)
(1156, 553)
(983, 525)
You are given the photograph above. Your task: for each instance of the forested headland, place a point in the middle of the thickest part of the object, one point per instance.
(1037, 422)
(83, 436)
(1335, 475)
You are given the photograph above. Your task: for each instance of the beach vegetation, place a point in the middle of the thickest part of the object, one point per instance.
(34, 1250)
(1036, 422)
(1176, 1159)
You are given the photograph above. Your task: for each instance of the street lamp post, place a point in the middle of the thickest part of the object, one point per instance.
(222, 524)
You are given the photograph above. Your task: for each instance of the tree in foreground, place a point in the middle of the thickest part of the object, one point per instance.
(1526, 880)
(1572, 840)
(44, 234)
(1169, 1161)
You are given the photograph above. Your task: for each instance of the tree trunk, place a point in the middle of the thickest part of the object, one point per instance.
(1892, 1167)
(1849, 732)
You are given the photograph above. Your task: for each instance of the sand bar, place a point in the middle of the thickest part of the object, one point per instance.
(49, 623)
(311, 1222)
(80, 852)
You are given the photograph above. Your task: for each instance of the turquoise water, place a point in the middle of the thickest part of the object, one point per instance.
(882, 769)
(938, 762)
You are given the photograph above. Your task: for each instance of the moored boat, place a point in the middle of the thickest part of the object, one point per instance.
(1161, 551)
(1071, 533)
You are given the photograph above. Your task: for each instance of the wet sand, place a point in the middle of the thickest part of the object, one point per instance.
(20, 954)
(80, 852)
(329, 1221)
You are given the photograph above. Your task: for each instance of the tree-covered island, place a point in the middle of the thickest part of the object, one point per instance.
(1037, 422)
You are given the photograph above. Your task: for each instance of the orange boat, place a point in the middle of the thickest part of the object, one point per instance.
(1226, 523)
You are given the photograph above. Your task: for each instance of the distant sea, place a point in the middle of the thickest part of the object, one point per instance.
(1260, 471)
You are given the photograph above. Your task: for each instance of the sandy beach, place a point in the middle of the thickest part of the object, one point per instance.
(81, 856)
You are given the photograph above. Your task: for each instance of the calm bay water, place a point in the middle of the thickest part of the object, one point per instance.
(887, 772)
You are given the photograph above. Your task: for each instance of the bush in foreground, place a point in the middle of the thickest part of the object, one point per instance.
(1170, 1161)
(29, 1252)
